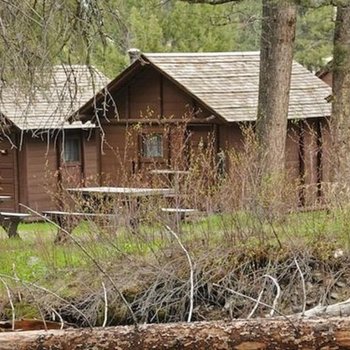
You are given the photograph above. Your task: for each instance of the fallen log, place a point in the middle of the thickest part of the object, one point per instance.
(257, 334)
(341, 309)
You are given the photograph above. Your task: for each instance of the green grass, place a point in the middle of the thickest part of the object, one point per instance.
(69, 272)
(35, 258)
(303, 227)
(29, 230)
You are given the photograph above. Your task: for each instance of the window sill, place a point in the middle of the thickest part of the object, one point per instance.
(72, 163)
(153, 160)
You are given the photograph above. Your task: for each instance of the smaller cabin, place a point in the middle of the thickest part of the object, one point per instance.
(39, 151)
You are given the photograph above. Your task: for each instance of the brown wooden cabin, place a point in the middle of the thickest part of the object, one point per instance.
(38, 149)
(211, 95)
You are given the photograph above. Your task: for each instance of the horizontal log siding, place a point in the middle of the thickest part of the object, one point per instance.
(7, 174)
(41, 174)
(90, 156)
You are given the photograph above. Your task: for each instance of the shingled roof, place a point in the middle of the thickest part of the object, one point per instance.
(228, 83)
(48, 106)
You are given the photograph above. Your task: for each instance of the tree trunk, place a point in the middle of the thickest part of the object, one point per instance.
(276, 58)
(330, 333)
(341, 96)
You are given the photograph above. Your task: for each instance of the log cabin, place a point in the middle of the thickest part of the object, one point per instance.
(212, 95)
(39, 150)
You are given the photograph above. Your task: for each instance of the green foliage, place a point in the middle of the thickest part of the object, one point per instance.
(314, 40)
(145, 29)
(36, 34)
(177, 26)
(189, 28)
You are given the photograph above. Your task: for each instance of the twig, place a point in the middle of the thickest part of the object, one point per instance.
(247, 297)
(260, 303)
(191, 271)
(278, 294)
(59, 316)
(303, 285)
(257, 301)
(106, 305)
(11, 303)
(99, 267)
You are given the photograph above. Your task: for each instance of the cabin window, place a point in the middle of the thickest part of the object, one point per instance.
(152, 146)
(71, 152)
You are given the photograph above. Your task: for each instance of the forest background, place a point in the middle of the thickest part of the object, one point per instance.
(176, 26)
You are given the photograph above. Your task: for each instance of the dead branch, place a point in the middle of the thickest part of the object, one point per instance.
(106, 305)
(257, 302)
(303, 285)
(11, 303)
(191, 271)
(278, 294)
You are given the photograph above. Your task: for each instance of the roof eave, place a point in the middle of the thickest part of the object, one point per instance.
(11, 123)
(81, 115)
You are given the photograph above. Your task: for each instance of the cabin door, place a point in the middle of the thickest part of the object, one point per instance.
(71, 169)
(7, 174)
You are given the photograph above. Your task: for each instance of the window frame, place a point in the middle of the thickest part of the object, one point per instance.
(146, 135)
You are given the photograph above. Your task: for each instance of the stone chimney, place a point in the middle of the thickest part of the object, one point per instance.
(134, 54)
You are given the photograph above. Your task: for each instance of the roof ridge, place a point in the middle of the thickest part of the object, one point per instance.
(219, 53)
(73, 65)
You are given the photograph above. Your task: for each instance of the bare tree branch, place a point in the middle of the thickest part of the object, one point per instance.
(106, 305)
(303, 285)
(191, 272)
(278, 293)
(11, 303)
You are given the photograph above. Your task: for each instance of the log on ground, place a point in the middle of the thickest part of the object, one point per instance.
(326, 333)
